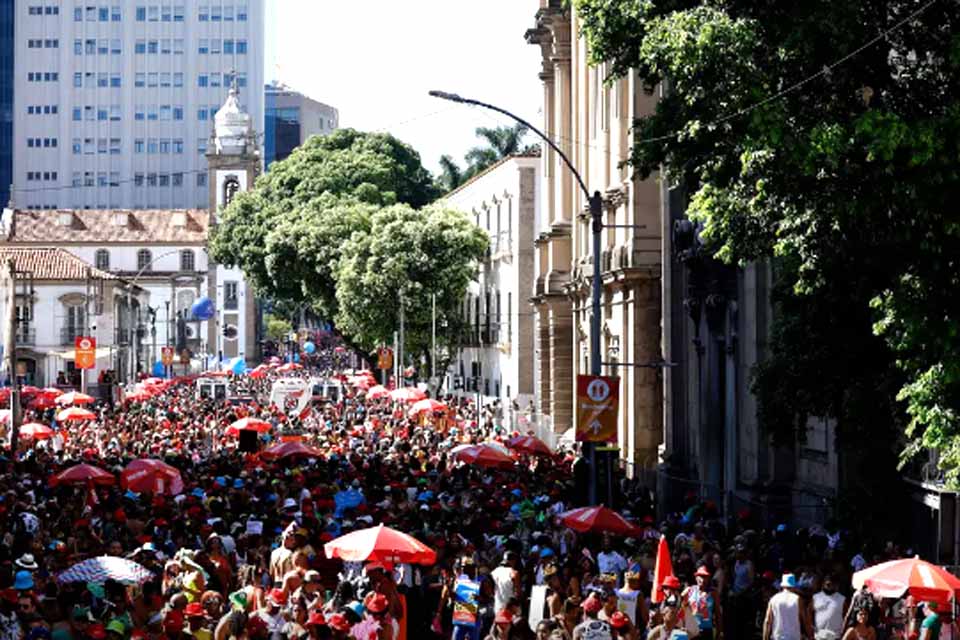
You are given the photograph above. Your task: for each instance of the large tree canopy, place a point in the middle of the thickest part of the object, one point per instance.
(826, 134)
(409, 256)
(287, 232)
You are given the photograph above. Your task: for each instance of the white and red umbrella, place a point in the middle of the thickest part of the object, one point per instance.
(36, 431)
(75, 414)
(382, 544)
(75, 397)
(485, 455)
(290, 366)
(427, 405)
(249, 424)
(921, 579)
(151, 476)
(51, 392)
(597, 520)
(259, 371)
(530, 444)
(377, 392)
(291, 450)
(407, 394)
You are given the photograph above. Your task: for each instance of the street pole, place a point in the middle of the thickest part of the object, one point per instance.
(433, 339)
(10, 350)
(403, 348)
(596, 216)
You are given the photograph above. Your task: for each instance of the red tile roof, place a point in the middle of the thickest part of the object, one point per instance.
(179, 226)
(52, 264)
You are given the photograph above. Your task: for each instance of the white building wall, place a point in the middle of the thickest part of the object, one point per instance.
(499, 204)
(120, 162)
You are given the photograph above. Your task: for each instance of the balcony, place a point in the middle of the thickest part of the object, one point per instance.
(26, 335)
(69, 334)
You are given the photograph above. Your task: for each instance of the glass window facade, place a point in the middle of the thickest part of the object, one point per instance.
(6, 100)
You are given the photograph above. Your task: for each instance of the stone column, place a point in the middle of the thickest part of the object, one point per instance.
(565, 208)
(648, 382)
(561, 365)
(544, 359)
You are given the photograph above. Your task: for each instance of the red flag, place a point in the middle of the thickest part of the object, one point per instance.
(663, 568)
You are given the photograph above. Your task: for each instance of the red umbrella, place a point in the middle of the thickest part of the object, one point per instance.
(29, 390)
(137, 396)
(597, 520)
(290, 366)
(36, 431)
(924, 581)
(75, 397)
(485, 456)
(407, 394)
(42, 402)
(291, 450)
(82, 474)
(259, 371)
(75, 413)
(427, 405)
(530, 444)
(377, 392)
(362, 382)
(52, 392)
(151, 476)
(382, 544)
(4, 416)
(249, 424)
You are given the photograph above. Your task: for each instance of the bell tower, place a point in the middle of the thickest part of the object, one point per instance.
(233, 161)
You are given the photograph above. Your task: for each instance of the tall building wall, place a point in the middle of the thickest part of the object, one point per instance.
(114, 101)
(6, 98)
(291, 118)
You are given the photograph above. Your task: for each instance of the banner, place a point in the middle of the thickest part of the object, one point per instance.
(598, 404)
(86, 352)
(384, 358)
(466, 594)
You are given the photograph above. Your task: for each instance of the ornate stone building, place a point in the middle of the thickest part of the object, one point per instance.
(590, 120)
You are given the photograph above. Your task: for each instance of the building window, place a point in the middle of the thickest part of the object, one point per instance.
(166, 13)
(203, 13)
(228, 46)
(153, 46)
(115, 80)
(241, 47)
(138, 145)
(215, 13)
(104, 14)
(187, 260)
(178, 13)
(115, 13)
(202, 80)
(201, 179)
(104, 47)
(231, 298)
(178, 179)
(144, 258)
(102, 260)
(203, 46)
(138, 179)
(228, 13)
(178, 146)
(115, 47)
(165, 46)
(141, 14)
(153, 13)
(241, 13)
(178, 113)
(140, 80)
(201, 114)
(214, 79)
(215, 45)
(178, 46)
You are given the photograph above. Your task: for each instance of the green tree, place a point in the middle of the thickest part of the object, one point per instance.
(501, 142)
(451, 175)
(277, 328)
(408, 256)
(287, 232)
(842, 167)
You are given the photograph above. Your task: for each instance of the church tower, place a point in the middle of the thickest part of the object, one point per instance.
(233, 160)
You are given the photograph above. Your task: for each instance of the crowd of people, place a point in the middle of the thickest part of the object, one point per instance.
(239, 553)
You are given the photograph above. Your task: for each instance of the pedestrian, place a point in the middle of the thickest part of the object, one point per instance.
(784, 618)
(829, 608)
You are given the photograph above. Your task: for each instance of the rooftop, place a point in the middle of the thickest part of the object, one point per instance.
(105, 226)
(52, 264)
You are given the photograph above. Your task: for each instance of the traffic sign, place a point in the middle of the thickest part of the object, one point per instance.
(185, 356)
(384, 358)
(166, 356)
(598, 406)
(85, 348)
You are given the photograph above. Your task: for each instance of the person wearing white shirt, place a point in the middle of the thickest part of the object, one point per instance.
(829, 608)
(611, 562)
(784, 620)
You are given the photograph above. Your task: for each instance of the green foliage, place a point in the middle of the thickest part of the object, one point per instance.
(277, 328)
(849, 178)
(286, 234)
(501, 142)
(408, 255)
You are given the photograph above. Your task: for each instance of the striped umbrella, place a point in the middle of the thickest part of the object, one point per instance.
(597, 520)
(99, 570)
(530, 444)
(893, 579)
(36, 431)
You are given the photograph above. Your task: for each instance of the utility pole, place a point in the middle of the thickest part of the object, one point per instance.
(433, 340)
(10, 350)
(403, 376)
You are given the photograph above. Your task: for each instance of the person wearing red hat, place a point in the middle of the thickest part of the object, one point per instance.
(339, 625)
(623, 629)
(272, 611)
(703, 604)
(196, 621)
(378, 608)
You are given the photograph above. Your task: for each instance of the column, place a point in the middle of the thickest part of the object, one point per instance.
(544, 358)
(561, 365)
(648, 383)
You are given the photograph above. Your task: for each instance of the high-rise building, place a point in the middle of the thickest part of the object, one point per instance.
(6, 99)
(114, 102)
(291, 118)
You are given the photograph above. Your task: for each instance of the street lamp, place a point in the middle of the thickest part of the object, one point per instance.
(596, 213)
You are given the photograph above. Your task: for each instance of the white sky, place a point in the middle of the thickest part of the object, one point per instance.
(375, 60)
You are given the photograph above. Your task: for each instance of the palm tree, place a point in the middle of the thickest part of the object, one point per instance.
(452, 175)
(501, 143)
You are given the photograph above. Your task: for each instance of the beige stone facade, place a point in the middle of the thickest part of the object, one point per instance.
(590, 121)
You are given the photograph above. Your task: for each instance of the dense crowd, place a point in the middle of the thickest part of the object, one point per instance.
(239, 553)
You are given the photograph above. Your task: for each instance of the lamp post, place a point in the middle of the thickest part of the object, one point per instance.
(596, 213)
(131, 377)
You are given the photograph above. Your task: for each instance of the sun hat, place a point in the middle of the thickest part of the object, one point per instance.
(703, 571)
(670, 582)
(788, 581)
(338, 622)
(27, 561)
(194, 610)
(316, 618)
(592, 604)
(277, 596)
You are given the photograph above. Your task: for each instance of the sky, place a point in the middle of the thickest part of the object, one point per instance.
(375, 60)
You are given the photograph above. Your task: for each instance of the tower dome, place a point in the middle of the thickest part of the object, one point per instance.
(233, 127)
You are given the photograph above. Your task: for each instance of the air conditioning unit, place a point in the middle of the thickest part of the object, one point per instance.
(191, 332)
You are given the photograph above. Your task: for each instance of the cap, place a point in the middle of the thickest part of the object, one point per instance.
(376, 603)
(703, 571)
(277, 596)
(239, 600)
(619, 620)
(592, 604)
(504, 617)
(115, 626)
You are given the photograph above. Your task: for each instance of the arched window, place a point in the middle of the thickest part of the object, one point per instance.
(102, 260)
(144, 258)
(187, 260)
(230, 187)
